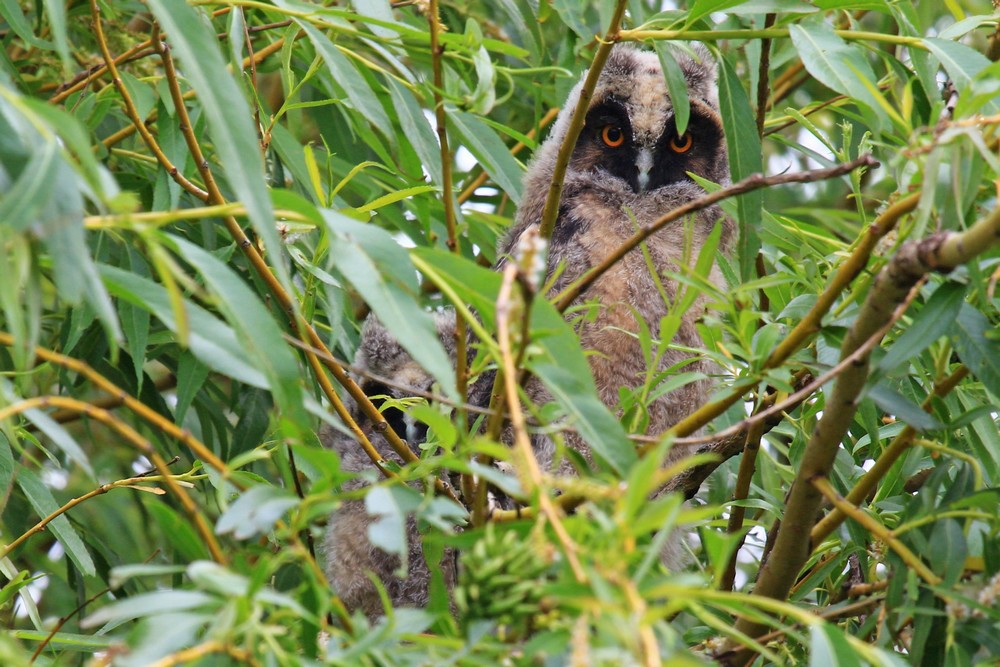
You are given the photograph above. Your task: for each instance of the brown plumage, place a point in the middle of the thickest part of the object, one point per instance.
(629, 166)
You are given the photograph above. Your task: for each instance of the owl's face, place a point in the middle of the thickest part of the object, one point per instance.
(630, 134)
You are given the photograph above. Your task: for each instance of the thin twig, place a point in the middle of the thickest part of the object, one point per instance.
(800, 395)
(810, 323)
(197, 447)
(132, 111)
(900, 444)
(528, 469)
(870, 524)
(140, 444)
(551, 209)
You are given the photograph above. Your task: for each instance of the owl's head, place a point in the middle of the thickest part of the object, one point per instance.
(630, 141)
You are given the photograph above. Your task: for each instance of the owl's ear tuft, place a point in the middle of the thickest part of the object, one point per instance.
(701, 73)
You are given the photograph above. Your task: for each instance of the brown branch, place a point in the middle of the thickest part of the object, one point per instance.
(796, 398)
(132, 111)
(869, 523)
(741, 492)
(107, 402)
(146, 413)
(447, 187)
(140, 444)
(258, 58)
(748, 184)
(939, 252)
(552, 199)
(527, 466)
(900, 444)
(84, 79)
(763, 84)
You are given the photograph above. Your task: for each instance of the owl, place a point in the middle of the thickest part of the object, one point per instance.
(386, 369)
(628, 167)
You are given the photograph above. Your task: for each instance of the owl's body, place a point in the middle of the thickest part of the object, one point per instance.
(628, 168)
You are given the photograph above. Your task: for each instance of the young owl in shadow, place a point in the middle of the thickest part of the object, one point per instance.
(629, 167)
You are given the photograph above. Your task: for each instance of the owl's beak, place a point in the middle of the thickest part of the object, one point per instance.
(643, 165)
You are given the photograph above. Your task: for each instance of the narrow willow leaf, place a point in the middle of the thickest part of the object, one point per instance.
(6, 466)
(192, 40)
(561, 363)
(255, 512)
(391, 504)
(191, 376)
(676, 86)
(214, 343)
(829, 648)
(702, 8)
(395, 196)
(45, 504)
(416, 129)
(745, 159)
(258, 333)
(960, 62)
(893, 403)
(60, 438)
(947, 550)
(149, 604)
(56, 11)
(836, 64)
(385, 277)
(977, 351)
(15, 18)
(491, 152)
(345, 74)
(934, 320)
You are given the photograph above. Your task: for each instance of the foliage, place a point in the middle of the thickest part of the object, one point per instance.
(164, 373)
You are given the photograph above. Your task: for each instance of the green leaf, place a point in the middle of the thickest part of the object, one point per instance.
(492, 153)
(960, 62)
(947, 550)
(676, 86)
(12, 14)
(56, 10)
(45, 504)
(61, 438)
(258, 333)
(898, 405)
(394, 197)
(148, 604)
(6, 465)
(193, 42)
(385, 277)
(976, 350)
(934, 320)
(745, 159)
(829, 648)
(191, 376)
(391, 504)
(346, 75)
(702, 8)
(255, 511)
(215, 344)
(416, 129)
(837, 65)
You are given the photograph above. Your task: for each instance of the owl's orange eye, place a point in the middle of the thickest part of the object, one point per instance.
(612, 136)
(682, 144)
